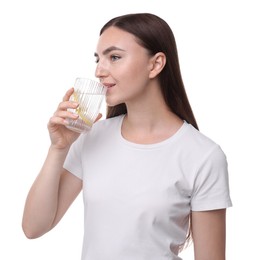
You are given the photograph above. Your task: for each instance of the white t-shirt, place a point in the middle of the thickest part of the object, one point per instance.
(137, 197)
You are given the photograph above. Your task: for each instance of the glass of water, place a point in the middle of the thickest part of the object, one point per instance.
(90, 95)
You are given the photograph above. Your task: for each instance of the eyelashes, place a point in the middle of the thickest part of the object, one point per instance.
(112, 58)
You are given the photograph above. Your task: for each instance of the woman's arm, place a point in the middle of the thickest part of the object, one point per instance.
(54, 189)
(50, 196)
(209, 234)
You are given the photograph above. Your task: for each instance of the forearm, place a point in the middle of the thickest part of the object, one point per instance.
(42, 200)
(209, 234)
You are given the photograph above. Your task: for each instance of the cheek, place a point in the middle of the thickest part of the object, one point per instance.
(135, 71)
(139, 75)
(131, 79)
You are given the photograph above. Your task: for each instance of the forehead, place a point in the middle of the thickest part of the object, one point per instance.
(114, 36)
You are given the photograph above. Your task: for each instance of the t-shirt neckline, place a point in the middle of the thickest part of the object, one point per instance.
(169, 140)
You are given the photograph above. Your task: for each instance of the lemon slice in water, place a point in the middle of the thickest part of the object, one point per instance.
(80, 112)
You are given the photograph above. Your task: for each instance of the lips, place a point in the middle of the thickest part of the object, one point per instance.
(108, 85)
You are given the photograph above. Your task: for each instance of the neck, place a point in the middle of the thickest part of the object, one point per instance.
(149, 121)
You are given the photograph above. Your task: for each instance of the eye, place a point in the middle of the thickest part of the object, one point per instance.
(97, 60)
(114, 57)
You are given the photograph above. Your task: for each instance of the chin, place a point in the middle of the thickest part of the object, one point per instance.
(112, 103)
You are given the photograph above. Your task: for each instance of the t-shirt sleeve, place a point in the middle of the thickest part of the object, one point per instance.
(73, 162)
(211, 186)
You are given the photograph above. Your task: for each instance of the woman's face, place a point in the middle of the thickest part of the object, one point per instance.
(122, 65)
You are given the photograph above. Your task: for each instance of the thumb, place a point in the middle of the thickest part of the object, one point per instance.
(98, 117)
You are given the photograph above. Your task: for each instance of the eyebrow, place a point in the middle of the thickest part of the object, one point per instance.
(106, 51)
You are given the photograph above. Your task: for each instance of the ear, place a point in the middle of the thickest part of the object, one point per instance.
(157, 63)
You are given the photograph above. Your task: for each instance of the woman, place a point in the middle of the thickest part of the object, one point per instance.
(149, 177)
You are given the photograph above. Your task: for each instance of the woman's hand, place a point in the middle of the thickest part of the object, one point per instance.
(62, 137)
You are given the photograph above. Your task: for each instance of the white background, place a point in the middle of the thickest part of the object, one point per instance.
(46, 44)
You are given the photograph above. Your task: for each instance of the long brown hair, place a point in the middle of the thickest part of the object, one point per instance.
(154, 34)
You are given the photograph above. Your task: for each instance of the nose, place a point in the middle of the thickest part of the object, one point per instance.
(101, 70)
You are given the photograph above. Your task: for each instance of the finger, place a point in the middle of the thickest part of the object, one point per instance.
(67, 104)
(68, 94)
(57, 121)
(65, 114)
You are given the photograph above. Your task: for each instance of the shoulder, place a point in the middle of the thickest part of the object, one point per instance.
(198, 151)
(196, 142)
(104, 129)
(206, 170)
(108, 123)
(107, 126)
